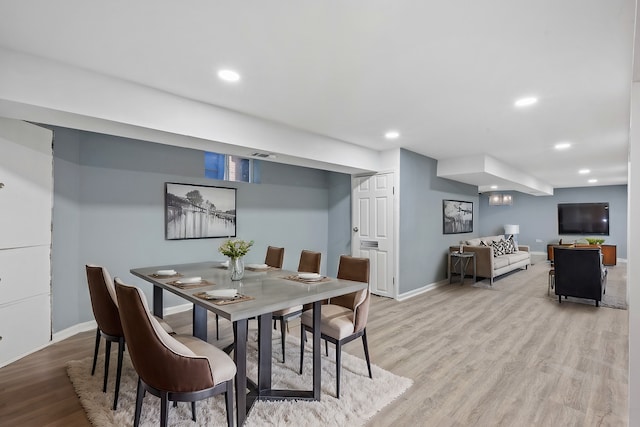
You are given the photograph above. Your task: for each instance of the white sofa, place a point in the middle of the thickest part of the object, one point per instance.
(488, 265)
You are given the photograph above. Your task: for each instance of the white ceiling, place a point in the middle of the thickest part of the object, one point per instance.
(444, 74)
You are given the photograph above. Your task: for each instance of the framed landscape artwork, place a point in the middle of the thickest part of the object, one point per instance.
(457, 217)
(199, 211)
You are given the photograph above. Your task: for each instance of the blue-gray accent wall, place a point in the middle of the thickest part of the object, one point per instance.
(422, 244)
(109, 210)
(537, 216)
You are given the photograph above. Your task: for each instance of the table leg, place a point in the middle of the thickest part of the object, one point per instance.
(157, 302)
(199, 318)
(464, 263)
(240, 359)
(264, 352)
(474, 269)
(317, 358)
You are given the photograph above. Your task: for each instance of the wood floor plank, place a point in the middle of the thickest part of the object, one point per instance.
(506, 355)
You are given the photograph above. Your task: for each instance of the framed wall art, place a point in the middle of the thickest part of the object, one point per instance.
(457, 217)
(199, 211)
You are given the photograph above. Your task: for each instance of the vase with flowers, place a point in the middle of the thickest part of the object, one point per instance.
(235, 249)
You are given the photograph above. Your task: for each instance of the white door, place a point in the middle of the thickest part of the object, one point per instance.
(372, 229)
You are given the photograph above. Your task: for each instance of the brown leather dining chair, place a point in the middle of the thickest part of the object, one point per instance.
(309, 263)
(177, 368)
(274, 257)
(344, 319)
(105, 311)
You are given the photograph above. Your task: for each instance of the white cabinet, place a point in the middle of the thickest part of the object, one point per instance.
(26, 192)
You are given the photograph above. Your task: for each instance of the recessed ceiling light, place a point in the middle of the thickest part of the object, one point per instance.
(592, 181)
(584, 171)
(525, 102)
(494, 187)
(562, 145)
(228, 75)
(392, 134)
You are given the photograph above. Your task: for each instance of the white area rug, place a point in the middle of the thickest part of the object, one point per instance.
(361, 397)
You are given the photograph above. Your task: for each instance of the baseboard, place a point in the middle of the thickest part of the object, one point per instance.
(414, 292)
(91, 325)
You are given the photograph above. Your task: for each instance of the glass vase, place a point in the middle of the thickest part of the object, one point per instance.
(236, 268)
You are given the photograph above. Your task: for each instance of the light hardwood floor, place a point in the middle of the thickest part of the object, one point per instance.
(478, 357)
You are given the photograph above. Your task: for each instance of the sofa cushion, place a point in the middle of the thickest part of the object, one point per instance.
(500, 262)
(517, 257)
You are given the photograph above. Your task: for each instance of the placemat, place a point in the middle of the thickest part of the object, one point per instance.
(160, 276)
(261, 269)
(295, 278)
(200, 284)
(237, 298)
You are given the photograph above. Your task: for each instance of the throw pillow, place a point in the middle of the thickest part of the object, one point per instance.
(513, 244)
(498, 248)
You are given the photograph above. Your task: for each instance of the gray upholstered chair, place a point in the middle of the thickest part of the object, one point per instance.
(344, 319)
(309, 263)
(177, 368)
(105, 310)
(579, 273)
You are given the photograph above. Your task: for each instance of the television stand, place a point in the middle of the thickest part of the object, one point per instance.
(609, 252)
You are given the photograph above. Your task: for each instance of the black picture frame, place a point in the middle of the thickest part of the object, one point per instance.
(199, 211)
(457, 217)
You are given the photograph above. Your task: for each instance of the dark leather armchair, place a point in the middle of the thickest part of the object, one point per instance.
(579, 273)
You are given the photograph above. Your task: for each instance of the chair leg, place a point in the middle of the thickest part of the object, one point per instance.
(139, 397)
(164, 409)
(302, 340)
(228, 398)
(597, 303)
(366, 351)
(282, 338)
(193, 411)
(559, 299)
(107, 356)
(326, 348)
(217, 328)
(118, 372)
(338, 351)
(95, 351)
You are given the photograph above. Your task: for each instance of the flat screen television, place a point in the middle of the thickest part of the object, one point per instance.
(583, 218)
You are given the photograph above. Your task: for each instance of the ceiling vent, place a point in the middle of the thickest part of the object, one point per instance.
(261, 155)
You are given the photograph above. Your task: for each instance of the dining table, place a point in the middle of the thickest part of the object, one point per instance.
(260, 292)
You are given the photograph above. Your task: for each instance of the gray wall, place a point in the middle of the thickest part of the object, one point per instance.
(108, 209)
(339, 241)
(537, 216)
(422, 245)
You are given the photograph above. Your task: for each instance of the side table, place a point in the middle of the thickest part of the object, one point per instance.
(459, 262)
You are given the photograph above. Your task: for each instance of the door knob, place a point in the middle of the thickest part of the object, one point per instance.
(355, 229)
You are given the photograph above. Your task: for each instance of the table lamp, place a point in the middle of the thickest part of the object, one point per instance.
(514, 230)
